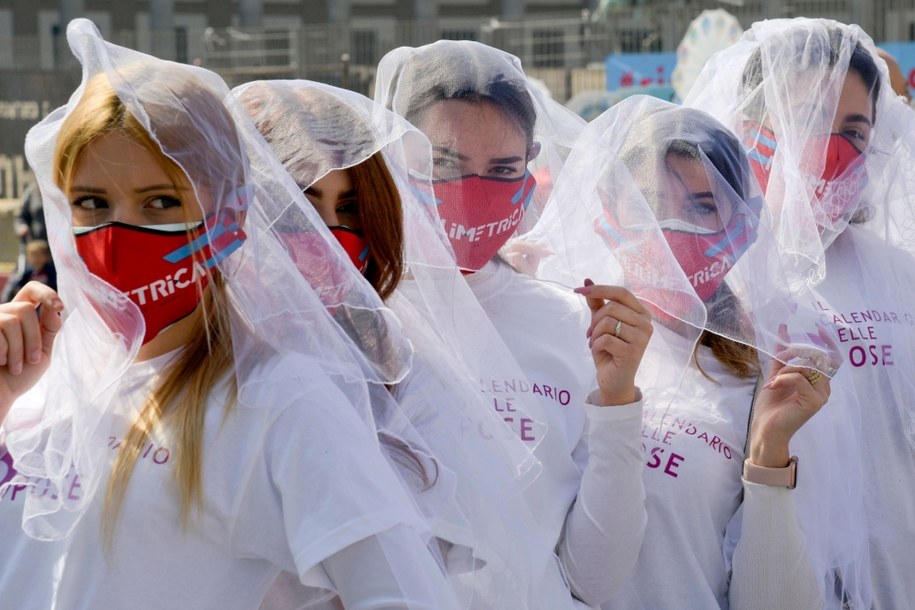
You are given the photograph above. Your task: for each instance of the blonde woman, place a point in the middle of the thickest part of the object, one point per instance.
(188, 443)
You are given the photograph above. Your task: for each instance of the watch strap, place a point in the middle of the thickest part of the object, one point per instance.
(773, 477)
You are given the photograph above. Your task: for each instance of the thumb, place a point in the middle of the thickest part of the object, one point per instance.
(50, 321)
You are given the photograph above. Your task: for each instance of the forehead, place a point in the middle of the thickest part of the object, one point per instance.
(689, 172)
(116, 156)
(473, 128)
(334, 182)
(818, 96)
(855, 97)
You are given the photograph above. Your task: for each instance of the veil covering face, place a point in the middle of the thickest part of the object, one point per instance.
(282, 335)
(661, 199)
(780, 89)
(861, 266)
(316, 129)
(480, 211)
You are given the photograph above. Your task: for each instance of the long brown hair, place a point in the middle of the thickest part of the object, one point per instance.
(741, 359)
(273, 109)
(180, 398)
(381, 216)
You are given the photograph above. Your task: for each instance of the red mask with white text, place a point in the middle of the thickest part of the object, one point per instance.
(839, 186)
(842, 181)
(161, 268)
(705, 256)
(480, 214)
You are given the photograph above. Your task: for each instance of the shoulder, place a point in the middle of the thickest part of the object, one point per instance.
(277, 381)
(858, 247)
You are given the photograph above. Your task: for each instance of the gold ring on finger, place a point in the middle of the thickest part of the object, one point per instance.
(814, 377)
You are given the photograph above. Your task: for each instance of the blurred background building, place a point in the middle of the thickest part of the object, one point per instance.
(591, 48)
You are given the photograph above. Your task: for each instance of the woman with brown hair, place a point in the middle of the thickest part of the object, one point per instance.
(739, 450)
(363, 169)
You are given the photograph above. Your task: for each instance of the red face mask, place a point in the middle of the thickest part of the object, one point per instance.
(839, 186)
(760, 144)
(308, 252)
(354, 244)
(705, 257)
(158, 267)
(843, 180)
(639, 260)
(480, 214)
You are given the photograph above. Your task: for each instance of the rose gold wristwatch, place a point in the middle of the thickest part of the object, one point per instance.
(773, 477)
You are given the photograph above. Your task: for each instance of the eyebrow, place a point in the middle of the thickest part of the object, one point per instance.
(858, 118)
(161, 187)
(494, 161)
(145, 189)
(319, 193)
(702, 195)
(450, 153)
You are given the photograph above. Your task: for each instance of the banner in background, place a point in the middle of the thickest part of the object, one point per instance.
(904, 53)
(648, 73)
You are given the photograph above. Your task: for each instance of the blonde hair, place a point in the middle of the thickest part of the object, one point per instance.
(180, 398)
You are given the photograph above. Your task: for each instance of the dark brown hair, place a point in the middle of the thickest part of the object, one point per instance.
(739, 358)
(381, 215)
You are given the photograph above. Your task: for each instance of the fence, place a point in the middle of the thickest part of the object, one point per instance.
(566, 52)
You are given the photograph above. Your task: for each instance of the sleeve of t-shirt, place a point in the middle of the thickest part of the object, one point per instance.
(605, 526)
(391, 570)
(770, 566)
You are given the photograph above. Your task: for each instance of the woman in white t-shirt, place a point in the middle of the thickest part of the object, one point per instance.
(832, 147)
(361, 165)
(494, 137)
(666, 205)
(199, 404)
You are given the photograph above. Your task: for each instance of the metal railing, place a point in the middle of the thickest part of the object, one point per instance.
(563, 41)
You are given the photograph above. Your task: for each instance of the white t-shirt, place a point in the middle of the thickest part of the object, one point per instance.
(287, 483)
(712, 539)
(864, 296)
(588, 499)
(27, 566)
(692, 481)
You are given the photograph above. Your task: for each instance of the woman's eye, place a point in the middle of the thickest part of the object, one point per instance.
(444, 168)
(164, 202)
(90, 203)
(862, 138)
(703, 209)
(504, 170)
(348, 208)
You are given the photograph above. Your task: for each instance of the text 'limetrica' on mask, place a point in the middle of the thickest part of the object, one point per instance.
(480, 214)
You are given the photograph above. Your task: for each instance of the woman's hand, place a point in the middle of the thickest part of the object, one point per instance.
(789, 398)
(793, 393)
(618, 335)
(26, 340)
(525, 256)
